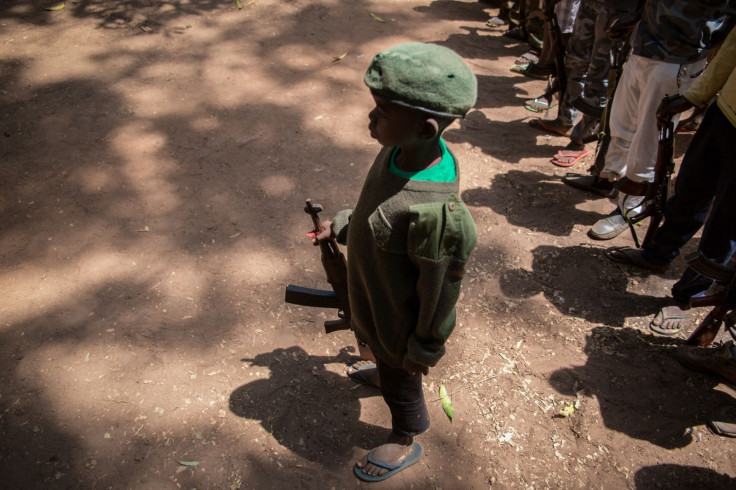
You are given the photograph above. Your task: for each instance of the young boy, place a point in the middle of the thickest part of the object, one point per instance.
(409, 236)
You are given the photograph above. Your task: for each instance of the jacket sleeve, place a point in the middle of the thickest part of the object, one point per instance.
(715, 75)
(441, 238)
(340, 225)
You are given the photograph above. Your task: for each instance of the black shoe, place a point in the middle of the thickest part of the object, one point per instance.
(591, 183)
(540, 72)
(516, 33)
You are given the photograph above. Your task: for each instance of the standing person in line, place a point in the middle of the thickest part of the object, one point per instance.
(670, 46)
(706, 187)
(408, 238)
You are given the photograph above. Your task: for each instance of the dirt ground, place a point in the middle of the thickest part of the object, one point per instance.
(154, 161)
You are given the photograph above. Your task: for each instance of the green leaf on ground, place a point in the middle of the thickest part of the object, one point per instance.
(188, 463)
(446, 403)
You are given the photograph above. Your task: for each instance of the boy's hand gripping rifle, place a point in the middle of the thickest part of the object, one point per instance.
(337, 275)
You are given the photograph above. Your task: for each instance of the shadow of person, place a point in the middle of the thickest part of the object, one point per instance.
(508, 141)
(677, 476)
(642, 391)
(454, 10)
(534, 201)
(578, 281)
(309, 410)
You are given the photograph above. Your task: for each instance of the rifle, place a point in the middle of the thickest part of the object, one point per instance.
(663, 169)
(560, 80)
(654, 192)
(724, 303)
(335, 267)
(618, 55)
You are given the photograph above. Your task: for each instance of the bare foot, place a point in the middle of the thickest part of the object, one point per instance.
(365, 372)
(394, 452)
(670, 320)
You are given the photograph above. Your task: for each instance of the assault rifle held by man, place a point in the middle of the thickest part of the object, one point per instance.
(655, 193)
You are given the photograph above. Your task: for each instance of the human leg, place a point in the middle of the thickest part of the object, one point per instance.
(577, 59)
(623, 120)
(634, 137)
(706, 169)
(404, 396)
(596, 74)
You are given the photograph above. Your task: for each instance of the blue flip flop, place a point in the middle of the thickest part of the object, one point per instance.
(411, 458)
(359, 376)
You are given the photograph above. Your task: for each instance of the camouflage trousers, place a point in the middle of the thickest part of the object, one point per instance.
(587, 63)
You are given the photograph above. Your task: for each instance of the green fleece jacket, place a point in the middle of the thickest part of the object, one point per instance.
(407, 242)
(718, 78)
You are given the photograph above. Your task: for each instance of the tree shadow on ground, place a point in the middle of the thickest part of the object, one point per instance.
(578, 281)
(674, 476)
(307, 408)
(148, 17)
(535, 201)
(642, 391)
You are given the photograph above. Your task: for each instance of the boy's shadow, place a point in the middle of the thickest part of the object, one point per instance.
(640, 388)
(311, 411)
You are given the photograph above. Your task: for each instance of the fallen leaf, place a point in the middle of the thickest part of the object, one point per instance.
(60, 6)
(338, 58)
(238, 4)
(377, 18)
(188, 463)
(568, 410)
(446, 403)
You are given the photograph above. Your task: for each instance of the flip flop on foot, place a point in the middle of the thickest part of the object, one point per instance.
(669, 320)
(550, 127)
(518, 68)
(568, 158)
(538, 104)
(364, 373)
(404, 462)
(496, 22)
(527, 58)
(633, 256)
(724, 422)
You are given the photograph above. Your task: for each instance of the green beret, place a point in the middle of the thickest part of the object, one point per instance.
(428, 77)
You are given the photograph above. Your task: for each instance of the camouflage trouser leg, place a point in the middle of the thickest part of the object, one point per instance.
(596, 75)
(577, 59)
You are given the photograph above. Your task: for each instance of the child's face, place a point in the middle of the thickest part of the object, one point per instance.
(392, 124)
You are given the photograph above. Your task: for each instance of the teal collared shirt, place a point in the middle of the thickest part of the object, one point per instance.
(444, 171)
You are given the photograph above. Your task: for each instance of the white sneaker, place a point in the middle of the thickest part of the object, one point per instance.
(610, 227)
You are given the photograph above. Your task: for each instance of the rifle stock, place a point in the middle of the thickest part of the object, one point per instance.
(723, 303)
(333, 261)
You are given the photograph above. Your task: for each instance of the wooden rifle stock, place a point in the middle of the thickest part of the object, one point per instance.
(723, 303)
(336, 270)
